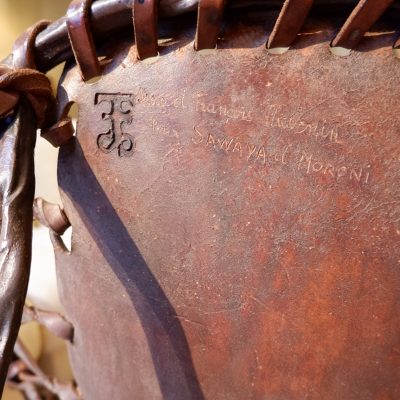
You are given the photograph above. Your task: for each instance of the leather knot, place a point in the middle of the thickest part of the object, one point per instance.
(33, 85)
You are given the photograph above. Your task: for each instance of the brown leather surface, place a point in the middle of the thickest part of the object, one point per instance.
(181, 336)
(361, 19)
(80, 36)
(145, 24)
(235, 222)
(290, 21)
(209, 20)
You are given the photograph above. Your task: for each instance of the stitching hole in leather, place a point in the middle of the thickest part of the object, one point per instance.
(339, 51)
(278, 50)
(150, 60)
(396, 52)
(206, 52)
(73, 112)
(103, 61)
(93, 80)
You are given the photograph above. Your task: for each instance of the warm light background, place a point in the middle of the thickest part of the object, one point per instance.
(15, 17)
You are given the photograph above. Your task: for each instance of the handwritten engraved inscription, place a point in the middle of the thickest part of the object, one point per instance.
(276, 118)
(310, 164)
(224, 111)
(293, 157)
(117, 112)
(163, 130)
(266, 114)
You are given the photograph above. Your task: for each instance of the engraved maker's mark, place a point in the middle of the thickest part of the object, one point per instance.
(118, 113)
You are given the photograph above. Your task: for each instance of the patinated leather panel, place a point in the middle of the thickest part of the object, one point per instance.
(235, 222)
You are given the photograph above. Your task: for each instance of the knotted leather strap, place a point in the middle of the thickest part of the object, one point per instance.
(145, 24)
(209, 23)
(81, 38)
(28, 83)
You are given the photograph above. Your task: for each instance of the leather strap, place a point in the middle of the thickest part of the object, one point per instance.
(31, 90)
(81, 38)
(145, 24)
(53, 321)
(366, 13)
(31, 84)
(397, 44)
(59, 133)
(17, 187)
(24, 47)
(51, 215)
(290, 21)
(209, 23)
(22, 79)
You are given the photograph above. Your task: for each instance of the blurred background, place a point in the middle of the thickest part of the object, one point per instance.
(49, 352)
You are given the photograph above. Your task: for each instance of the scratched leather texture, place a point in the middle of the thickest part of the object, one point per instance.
(235, 221)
